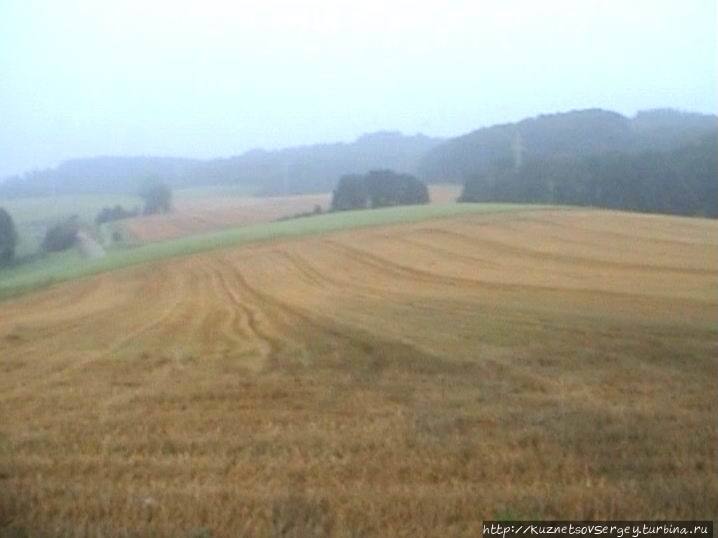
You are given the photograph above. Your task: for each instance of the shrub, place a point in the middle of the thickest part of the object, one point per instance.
(62, 236)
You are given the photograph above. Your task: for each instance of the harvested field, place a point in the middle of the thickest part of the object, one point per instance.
(208, 213)
(192, 216)
(407, 380)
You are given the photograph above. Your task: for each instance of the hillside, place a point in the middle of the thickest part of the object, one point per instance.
(186, 234)
(302, 169)
(408, 380)
(572, 134)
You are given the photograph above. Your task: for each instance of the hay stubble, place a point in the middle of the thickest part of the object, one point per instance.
(404, 380)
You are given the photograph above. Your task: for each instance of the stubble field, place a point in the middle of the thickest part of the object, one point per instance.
(408, 380)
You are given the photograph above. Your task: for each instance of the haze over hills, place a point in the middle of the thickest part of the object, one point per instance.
(294, 170)
(563, 135)
(316, 168)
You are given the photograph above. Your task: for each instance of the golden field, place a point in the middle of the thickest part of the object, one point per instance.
(408, 380)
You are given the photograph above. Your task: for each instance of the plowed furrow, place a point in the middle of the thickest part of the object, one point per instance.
(417, 276)
(605, 229)
(505, 248)
(446, 254)
(339, 280)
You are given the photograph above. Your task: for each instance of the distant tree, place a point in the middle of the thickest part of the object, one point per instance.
(412, 191)
(351, 193)
(62, 236)
(8, 237)
(157, 197)
(108, 214)
(379, 188)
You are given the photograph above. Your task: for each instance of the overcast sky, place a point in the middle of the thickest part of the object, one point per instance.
(215, 78)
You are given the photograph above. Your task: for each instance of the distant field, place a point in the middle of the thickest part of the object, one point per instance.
(57, 268)
(209, 213)
(214, 191)
(403, 380)
(34, 215)
(204, 210)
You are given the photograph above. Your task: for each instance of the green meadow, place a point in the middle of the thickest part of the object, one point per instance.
(33, 215)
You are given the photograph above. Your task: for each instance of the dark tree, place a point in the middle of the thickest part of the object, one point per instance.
(350, 193)
(8, 237)
(387, 188)
(62, 236)
(414, 192)
(157, 197)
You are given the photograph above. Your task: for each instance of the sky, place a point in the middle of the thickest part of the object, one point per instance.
(215, 78)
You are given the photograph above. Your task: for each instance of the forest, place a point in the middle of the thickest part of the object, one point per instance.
(681, 181)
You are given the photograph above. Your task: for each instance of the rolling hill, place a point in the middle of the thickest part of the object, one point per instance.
(411, 379)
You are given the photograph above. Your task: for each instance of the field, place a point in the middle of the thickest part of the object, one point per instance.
(410, 379)
(53, 268)
(203, 217)
(204, 210)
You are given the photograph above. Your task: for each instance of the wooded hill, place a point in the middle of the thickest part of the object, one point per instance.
(295, 170)
(682, 181)
(565, 135)
(660, 160)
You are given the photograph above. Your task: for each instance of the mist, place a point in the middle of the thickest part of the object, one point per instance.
(216, 78)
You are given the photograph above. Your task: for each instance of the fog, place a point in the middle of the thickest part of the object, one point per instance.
(213, 78)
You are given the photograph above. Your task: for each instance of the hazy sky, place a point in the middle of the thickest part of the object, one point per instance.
(215, 78)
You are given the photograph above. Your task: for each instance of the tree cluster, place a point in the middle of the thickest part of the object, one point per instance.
(683, 181)
(378, 188)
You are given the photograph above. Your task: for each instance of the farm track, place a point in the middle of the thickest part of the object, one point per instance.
(392, 379)
(253, 321)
